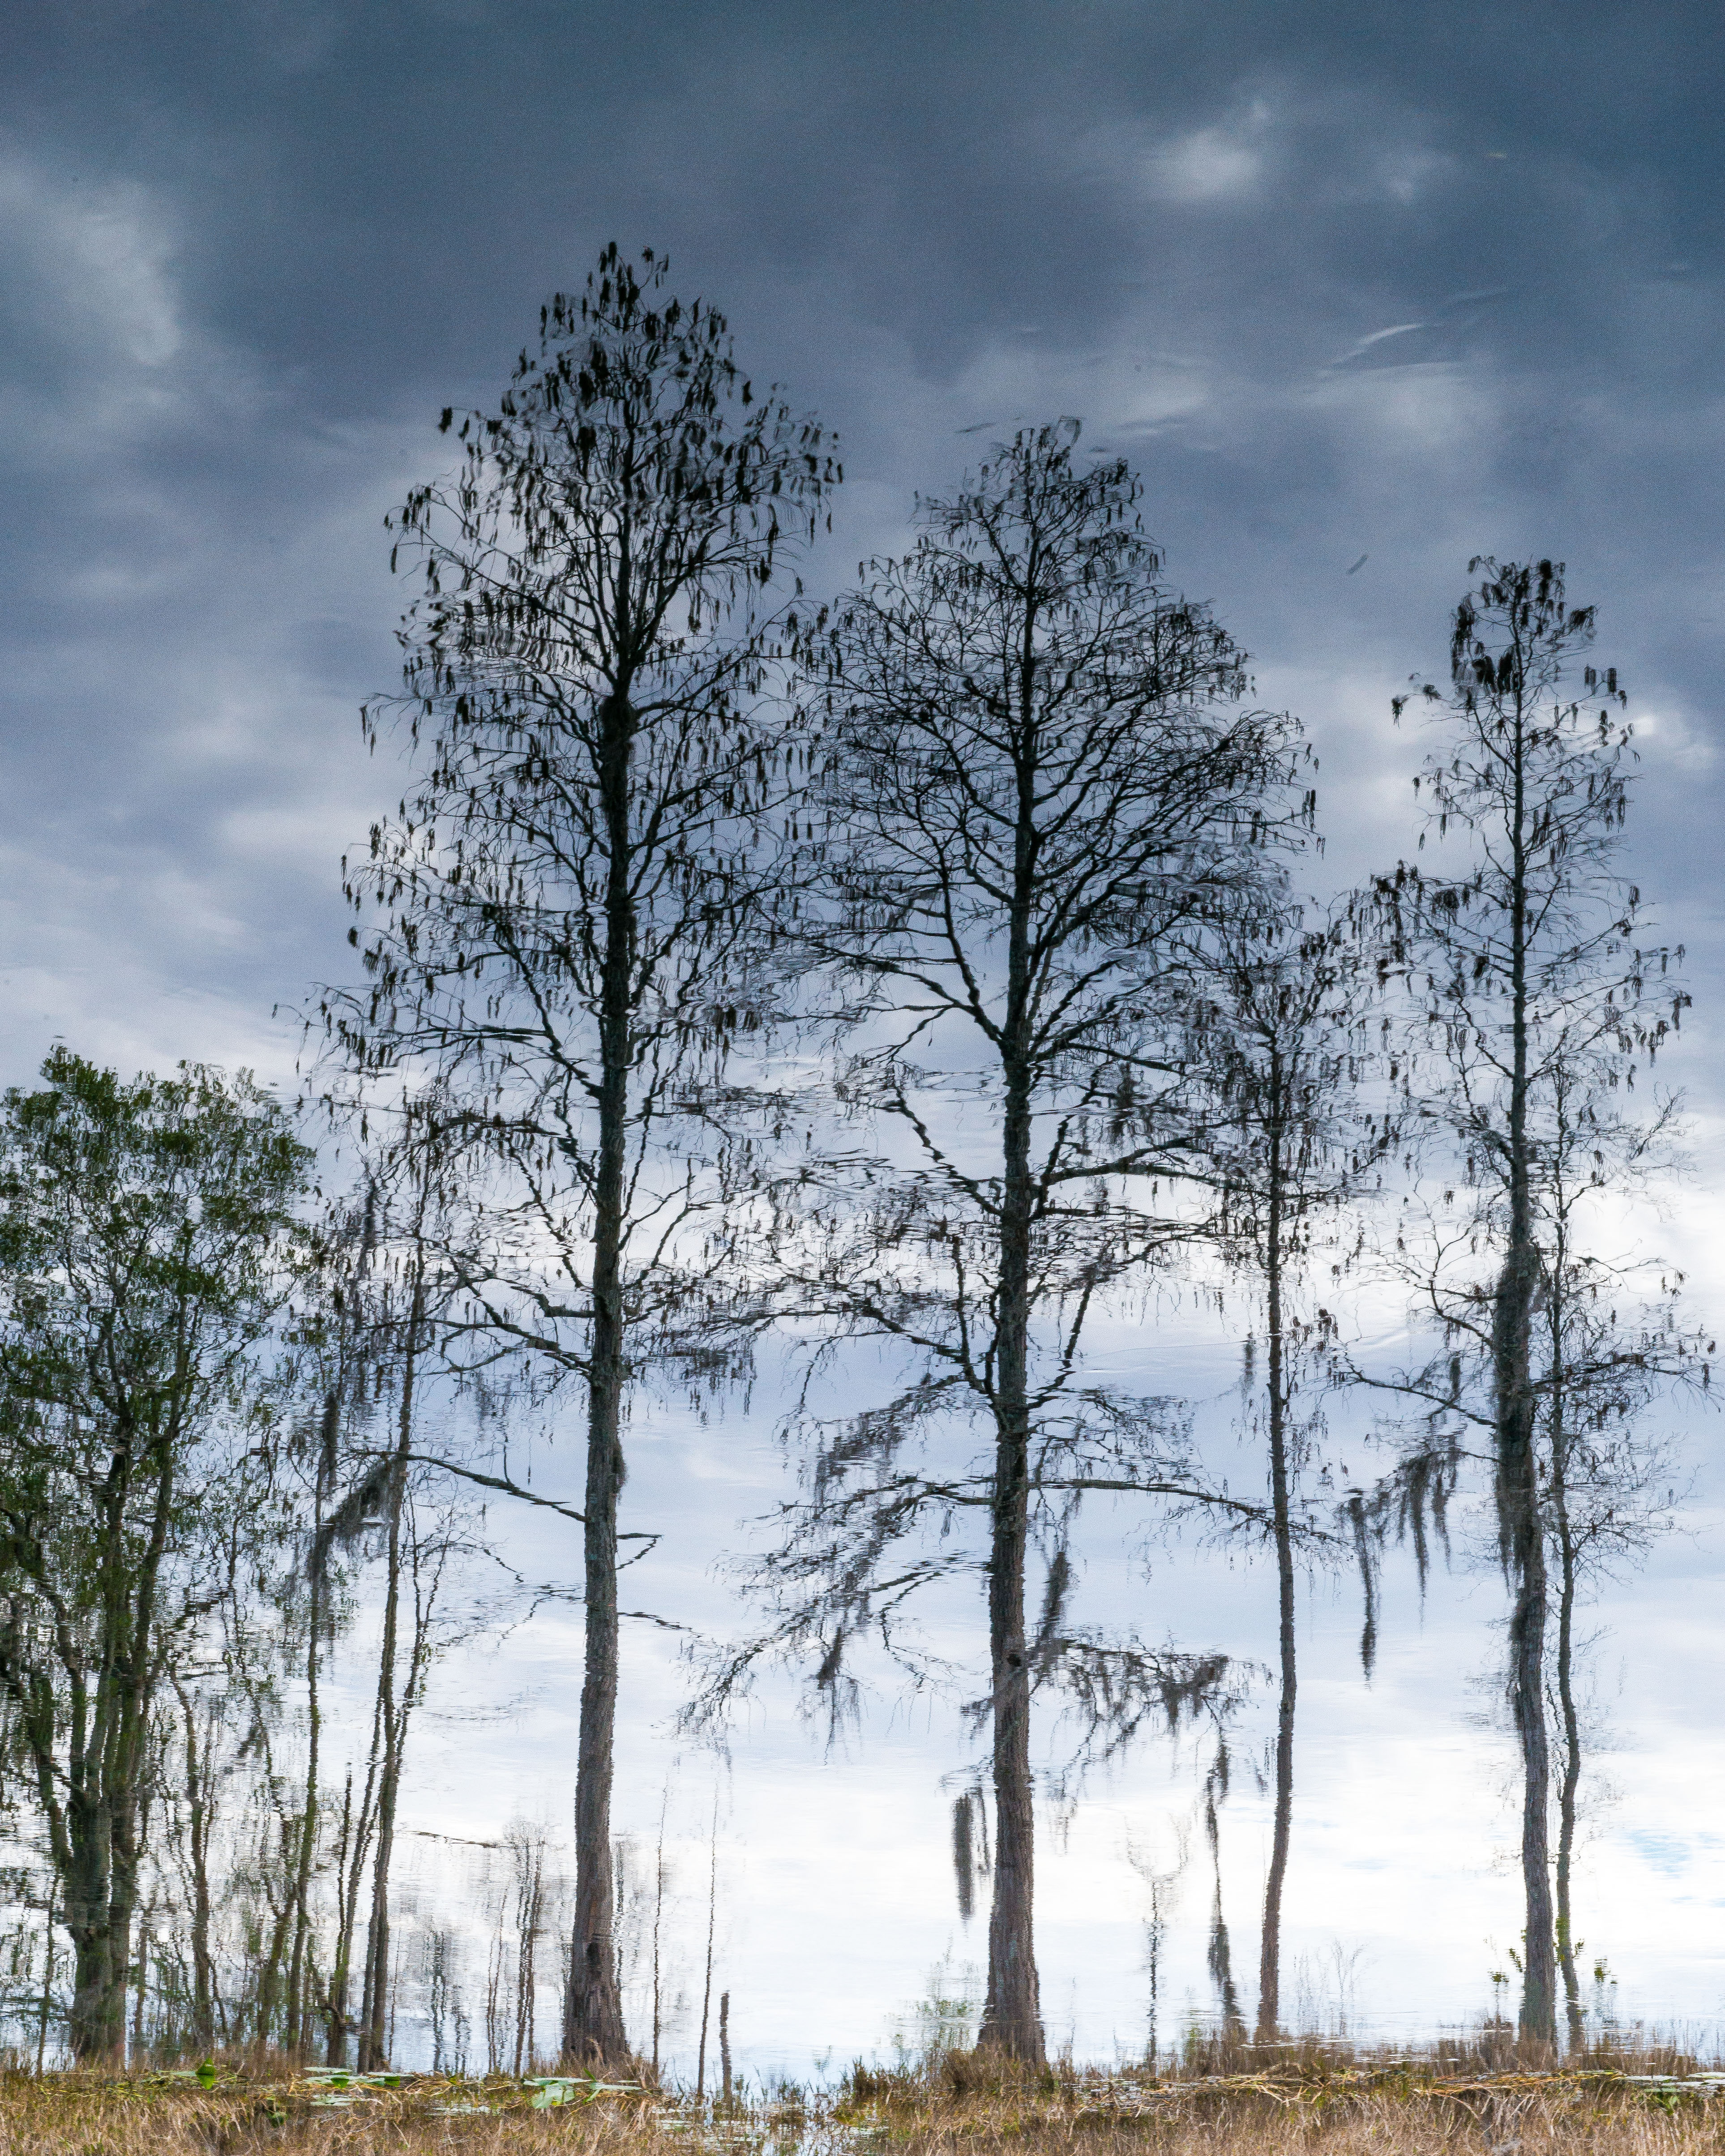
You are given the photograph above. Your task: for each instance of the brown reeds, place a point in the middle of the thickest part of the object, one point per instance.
(1307, 2100)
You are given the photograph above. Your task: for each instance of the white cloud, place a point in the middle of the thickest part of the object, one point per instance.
(1116, 392)
(92, 265)
(1430, 409)
(1211, 164)
(97, 347)
(1378, 337)
(1670, 737)
(1223, 162)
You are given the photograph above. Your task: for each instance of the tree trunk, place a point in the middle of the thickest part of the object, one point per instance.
(1571, 1778)
(1155, 1934)
(99, 1904)
(97, 2025)
(658, 1923)
(712, 1918)
(204, 1969)
(1219, 1956)
(349, 1864)
(725, 2050)
(281, 1930)
(298, 1965)
(1521, 1527)
(391, 1716)
(593, 2032)
(141, 1990)
(1269, 1954)
(98, 1847)
(97, 1850)
(202, 2030)
(1538, 2023)
(47, 1975)
(1012, 2016)
(529, 1906)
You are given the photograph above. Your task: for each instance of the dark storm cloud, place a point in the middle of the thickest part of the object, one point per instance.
(1406, 283)
(369, 184)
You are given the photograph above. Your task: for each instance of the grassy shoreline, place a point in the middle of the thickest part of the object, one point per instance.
(1454, 2101)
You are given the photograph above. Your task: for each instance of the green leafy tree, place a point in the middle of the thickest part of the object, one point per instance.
(147, 1248)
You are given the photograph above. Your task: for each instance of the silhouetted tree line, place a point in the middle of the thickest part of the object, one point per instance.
(930, 971)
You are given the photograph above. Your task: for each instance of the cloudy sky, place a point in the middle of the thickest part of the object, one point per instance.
(1363, 291)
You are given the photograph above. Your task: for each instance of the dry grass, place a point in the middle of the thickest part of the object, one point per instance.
(1534, 2119)
(242, 2115)
(1317, 2101)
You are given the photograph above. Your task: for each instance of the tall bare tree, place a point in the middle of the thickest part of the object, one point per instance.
(1040, 798)
(390, 1288)
(414, 1560)
(1279, 1033)
(565, 895)
(1610, 1340)
(340, 1355)
(1531, 998)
